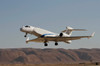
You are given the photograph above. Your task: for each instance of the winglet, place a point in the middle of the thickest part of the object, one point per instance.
(92, 34)
(27, 39)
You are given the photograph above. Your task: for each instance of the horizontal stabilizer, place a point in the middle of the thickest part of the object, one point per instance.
(69, 30)
(72, 29)
(79, 30)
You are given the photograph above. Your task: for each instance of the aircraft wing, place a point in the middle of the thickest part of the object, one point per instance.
(65, 38)
(35, 40)
(59, 39)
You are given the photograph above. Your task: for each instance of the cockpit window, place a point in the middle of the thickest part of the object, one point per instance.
(27, 26)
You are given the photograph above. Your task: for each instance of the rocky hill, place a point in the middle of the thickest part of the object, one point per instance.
(37, 56)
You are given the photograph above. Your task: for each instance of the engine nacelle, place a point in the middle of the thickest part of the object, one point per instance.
(63, 34)
(68, 42)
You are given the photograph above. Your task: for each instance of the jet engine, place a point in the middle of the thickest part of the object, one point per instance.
(61, 34)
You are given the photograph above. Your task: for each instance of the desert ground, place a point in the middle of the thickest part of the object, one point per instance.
(49, 57)
(49, 65)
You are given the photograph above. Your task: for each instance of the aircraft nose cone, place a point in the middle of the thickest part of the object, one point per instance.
(20, 29)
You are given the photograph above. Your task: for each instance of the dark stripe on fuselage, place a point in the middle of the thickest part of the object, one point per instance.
(46, 34)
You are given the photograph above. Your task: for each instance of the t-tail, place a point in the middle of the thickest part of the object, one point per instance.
(69, 30)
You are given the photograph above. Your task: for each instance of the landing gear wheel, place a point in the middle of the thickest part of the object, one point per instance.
(56, 44)
(45, 44)
(25, 35)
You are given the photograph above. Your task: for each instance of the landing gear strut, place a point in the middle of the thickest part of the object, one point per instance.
(25, 35)
(56, 44)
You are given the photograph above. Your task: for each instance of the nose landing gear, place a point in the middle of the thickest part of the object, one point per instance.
(25, 35)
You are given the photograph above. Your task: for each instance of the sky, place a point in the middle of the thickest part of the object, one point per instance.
(52, 15)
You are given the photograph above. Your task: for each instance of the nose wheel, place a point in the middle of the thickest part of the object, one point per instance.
(25, 35)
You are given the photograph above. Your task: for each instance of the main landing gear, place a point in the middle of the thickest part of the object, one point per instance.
(56, 44)
(45, 44)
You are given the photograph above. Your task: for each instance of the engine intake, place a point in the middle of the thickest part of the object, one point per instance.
(61, 34)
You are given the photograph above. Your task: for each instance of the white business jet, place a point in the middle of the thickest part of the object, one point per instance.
(46, 36)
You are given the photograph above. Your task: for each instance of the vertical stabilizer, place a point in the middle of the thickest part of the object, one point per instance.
(69, 30)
